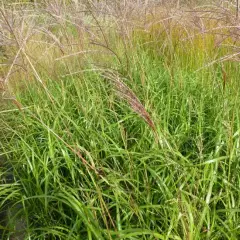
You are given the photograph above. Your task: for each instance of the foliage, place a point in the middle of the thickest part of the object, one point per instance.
(119, 121)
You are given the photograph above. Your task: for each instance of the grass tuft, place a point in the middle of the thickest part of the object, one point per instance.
(119, 120)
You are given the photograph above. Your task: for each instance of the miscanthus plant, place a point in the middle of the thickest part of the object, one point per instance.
(129, 132)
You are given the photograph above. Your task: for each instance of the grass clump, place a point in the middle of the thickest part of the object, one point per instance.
(131, 135)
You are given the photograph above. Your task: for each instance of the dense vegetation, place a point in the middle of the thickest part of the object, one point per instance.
(119, 120)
